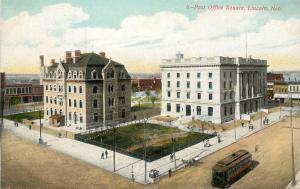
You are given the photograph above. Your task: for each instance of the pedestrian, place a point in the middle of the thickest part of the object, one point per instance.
(102, 155)
(170, 172)
(106, 153)
(171, 157)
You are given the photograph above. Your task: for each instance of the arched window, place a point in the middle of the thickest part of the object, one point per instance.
(95, 89)
(55, 112)
(55, 101)
(80, 89)
(70, 115)
(80, 103)
(51, 111)
(123, 113)
(70, 89)
(74, 88)
(70, 103)
(59, 74)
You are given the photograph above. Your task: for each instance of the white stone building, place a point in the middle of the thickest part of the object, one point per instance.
(216, 89)
(87, 90)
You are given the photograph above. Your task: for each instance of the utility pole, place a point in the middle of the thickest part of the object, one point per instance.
(40, 139)
(260, 119)
(114, 130)
(173, 143)
(294, 182)
(234, 124)
(145, 152)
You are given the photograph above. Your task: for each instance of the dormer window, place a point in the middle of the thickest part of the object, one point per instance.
(94, 74)
(70, 75)
(74, 75)
(110, 74)
(80, 75)
(59, 74)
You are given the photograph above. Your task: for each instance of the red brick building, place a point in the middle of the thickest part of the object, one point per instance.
(275, 77)
(144, 84)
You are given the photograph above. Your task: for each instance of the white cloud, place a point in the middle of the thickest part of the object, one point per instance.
(142, 41)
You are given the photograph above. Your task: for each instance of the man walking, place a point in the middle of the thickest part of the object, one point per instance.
(106, 153)
(102, 155)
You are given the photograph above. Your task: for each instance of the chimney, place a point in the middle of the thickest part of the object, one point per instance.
(69, 58)
(77, 55)
(41, 60)
(102, 54)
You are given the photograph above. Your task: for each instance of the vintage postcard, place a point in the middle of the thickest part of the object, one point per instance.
(169, 94)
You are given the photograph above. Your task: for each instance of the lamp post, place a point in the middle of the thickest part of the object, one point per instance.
(145, 152)
(294, 182)
(40, 139)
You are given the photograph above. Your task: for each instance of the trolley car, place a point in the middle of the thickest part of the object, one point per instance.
(231, 168)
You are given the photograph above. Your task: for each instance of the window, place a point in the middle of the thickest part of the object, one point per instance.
(230, 95)
(178, 94)
(199, 96)
(80, 103)
(70, 89)
(178, 84)
(199, 85)
(50, 87)
(111, 102)
(198, 110)
(231, 112)
(70, 116)
(178, 75)
(110, 88)
(210, 96)
(75, 103)
(225, 95)
(95, 89)
(81, 119)
(47, 112)
(209, 85)
(224, 74)
(123, 87)
(188, 75)
(95, 117)
(46, 99)
(122, 100)
(224, 84)
(80, 89)
(177, 108)
(169, 83)
(95, 104)
(225, 111)
(70, 102)
(54, 87)
(230, 75)
(74, 88)
(188, 84)
(210, 111)
(198, 75)
(50, 100)
(230, 84)
(80, 75)
(188, 95)
(123, 113)
(168, 107)
(209, 75)
(168, 75)
(55, 101)
(46, 87)
(169, 93)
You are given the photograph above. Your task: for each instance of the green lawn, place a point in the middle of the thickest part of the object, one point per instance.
(26, 115)
(129, 140)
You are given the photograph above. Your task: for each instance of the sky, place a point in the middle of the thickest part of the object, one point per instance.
(140, 33)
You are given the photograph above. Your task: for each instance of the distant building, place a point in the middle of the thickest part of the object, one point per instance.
(280, 90)
(216, 89)
(87, 90)
(275, 77)
(146, 84)
(22, 94)
(2, 86)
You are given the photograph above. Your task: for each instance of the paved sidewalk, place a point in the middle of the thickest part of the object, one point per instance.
(133, 168)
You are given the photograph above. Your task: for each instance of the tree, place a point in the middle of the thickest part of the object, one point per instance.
(148, 93)
(153, 99)
(15, 101)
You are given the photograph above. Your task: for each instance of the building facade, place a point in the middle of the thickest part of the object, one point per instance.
(216, 89)
(146, 84)
(87, 90)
